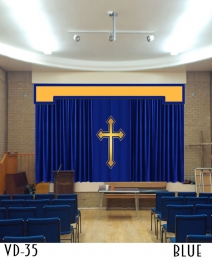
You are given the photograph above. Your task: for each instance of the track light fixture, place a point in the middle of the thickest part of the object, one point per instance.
(110, 38)
(113, 15)
(150, 38)
(112, 34)
(76, 37)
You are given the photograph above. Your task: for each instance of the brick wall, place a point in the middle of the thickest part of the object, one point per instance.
(21, 120)
(21, 113)
(3, 113)
(197, 120)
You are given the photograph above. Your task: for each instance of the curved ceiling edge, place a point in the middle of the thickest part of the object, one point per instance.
(85, 65)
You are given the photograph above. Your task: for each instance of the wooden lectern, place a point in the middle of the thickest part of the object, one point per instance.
(63, 182)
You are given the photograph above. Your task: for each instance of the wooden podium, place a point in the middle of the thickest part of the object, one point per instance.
(63, 182)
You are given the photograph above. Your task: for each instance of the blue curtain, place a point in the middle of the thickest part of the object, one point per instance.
(152, 148)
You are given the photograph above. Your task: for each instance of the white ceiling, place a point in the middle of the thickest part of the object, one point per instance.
(27, 27)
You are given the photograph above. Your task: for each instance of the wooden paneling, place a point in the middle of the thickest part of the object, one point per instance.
(12, 163)
(2, 174)
(42, 188)
(8, 165)
(26, 163)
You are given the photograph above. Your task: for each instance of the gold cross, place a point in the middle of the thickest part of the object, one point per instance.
(110, 135)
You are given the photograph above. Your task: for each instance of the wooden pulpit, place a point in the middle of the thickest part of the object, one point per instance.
(63, 182)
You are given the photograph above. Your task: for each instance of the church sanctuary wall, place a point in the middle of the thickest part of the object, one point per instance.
(197, 120)
(3, 112)
(21, 112)
(21, 117)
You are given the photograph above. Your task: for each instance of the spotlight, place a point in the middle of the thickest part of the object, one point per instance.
(76, 37)
(150, 38)
(110, 38)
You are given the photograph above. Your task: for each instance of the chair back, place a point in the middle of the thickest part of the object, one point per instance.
(205, 209)
(38, 204)
(48, 227)
(187, 194)
(22, 212)
(63, 213)
(69, 196)
(22, 196)
(184, 194)
(4, 197)
(173, 210)
(166, 200)
(158, 204)
(12, 203)
(26, 239)
(11, 227)
(2, 213)
(206, 194)
(199, 239)
(71, 203)
(210, 200)
(49, 196)
(189, 225)
(195, 200)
